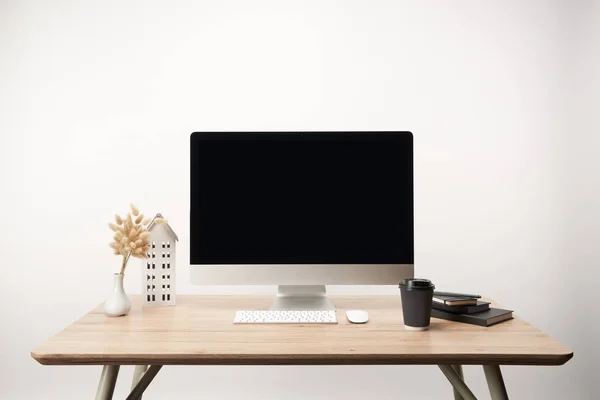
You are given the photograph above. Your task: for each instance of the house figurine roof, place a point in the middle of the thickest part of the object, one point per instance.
(171, 231)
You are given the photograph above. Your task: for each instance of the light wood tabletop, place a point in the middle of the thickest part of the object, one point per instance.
(199, 331)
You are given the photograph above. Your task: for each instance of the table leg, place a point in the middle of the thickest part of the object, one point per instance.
(143, 383)
(138, 372)
(495, 382)
(459, 372)
(108, 380)
(457, 382)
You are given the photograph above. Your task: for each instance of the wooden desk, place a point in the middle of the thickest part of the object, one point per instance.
(199, 331)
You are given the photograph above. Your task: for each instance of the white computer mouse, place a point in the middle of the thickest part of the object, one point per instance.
(357, 316)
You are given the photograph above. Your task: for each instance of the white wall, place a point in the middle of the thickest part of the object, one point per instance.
(98, 98)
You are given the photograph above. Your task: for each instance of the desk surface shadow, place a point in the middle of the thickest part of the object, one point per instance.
(199, 331)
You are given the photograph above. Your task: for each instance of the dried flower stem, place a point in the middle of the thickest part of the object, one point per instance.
(125, 261)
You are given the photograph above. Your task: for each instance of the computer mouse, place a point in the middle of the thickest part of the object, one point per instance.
(357, 316)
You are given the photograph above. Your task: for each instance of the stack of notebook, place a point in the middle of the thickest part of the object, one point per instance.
(467, 308)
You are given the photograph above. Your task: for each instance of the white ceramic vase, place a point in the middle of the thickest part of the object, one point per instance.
(118, 303)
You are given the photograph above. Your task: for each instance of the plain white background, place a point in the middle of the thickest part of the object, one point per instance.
(98, 98)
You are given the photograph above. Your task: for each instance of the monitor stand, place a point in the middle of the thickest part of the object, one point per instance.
(301, 297)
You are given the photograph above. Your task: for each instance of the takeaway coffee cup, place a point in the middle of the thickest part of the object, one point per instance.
(417, 295)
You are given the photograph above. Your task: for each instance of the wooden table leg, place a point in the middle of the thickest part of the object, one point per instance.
(108, 380)
(495, 382)
(459, 371)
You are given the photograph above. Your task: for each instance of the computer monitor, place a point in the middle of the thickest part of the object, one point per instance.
(301, 210)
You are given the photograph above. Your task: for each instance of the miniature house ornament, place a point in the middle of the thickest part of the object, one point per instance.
(158, 270)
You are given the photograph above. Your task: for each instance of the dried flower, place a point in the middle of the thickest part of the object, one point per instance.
(131, 236)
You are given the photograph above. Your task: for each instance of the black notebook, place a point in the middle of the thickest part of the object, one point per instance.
(484, 318)
(479, 307)
(454, 300)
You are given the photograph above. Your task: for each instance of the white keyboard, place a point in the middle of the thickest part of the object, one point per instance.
(285, 317)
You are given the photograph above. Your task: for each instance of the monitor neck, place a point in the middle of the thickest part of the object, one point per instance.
(301, 297)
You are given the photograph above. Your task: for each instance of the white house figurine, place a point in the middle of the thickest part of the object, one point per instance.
(158, 271)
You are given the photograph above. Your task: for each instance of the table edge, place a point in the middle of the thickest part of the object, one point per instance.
(302, 359)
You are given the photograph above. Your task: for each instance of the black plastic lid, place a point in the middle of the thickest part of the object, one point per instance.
(416, 284)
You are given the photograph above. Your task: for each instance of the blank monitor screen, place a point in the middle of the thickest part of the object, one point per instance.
(301, 198)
